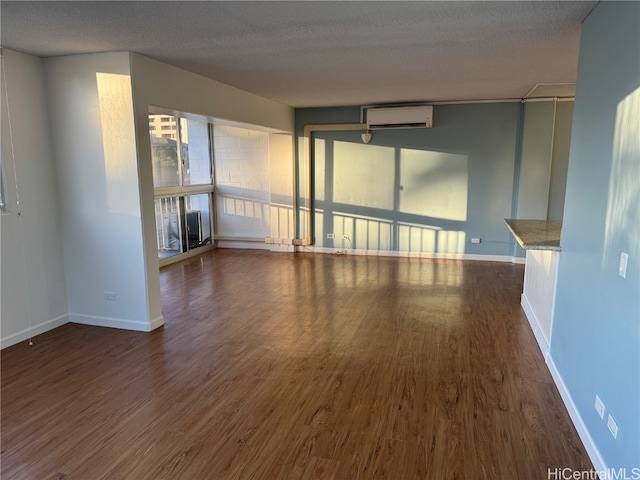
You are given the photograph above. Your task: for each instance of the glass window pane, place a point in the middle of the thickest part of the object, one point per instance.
(196, 154)
(198, 220)
(169, 227)
(164, 150)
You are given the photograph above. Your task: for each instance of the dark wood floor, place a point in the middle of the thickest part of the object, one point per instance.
(277, 366)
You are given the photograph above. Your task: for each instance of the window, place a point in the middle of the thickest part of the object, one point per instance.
(196, 152)
(164, 155)
(182, 165)
(183, 224)
(180, 160)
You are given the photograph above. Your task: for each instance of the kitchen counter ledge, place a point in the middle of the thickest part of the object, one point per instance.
(536, 234)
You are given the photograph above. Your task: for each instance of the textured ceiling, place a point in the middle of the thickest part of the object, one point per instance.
(309, 53)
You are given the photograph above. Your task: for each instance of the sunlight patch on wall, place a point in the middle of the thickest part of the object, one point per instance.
(450, 241)
(429, 239)
(281, 219)
(363, 175)
(281, 170)
(623, 211)
(433, 184)
(242, 207)
(281, 185)
(365, 233)
(242, 181)
(118, 141)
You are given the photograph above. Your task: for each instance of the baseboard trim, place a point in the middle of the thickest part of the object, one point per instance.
(121, 323)
(533, 323)
(282, 248)
(33, 331)
(257, 245)
(592, 450)
(404, 254)
(156, 323)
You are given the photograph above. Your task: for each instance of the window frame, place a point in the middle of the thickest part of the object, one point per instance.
(182, 191)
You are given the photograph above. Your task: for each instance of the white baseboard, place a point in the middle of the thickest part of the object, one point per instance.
(43, 327)
(282, 248)
(592, 450)
(121, 323)
(156, 323)
(533, 322)
(257, 245)
(404, 254)
(33, 331)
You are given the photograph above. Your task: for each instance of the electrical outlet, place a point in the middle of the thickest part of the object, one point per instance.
(599, 406)
(475, 240)
(622, 267)
(346, 237)
(111, 296)
(331, 235)
(613, 426)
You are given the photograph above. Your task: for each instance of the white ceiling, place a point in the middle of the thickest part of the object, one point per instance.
(309, 53)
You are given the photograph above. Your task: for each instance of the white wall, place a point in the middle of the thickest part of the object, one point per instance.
(281, 187)
(91, 116)
(34, 297)
(161, 85)
(86, 183)
(254, 188)
(242, 182)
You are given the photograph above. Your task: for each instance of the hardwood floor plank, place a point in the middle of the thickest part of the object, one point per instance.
(295, 366)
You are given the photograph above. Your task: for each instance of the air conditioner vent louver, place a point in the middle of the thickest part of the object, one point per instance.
(400, 117)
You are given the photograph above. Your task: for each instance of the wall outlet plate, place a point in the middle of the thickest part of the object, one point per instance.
(599, 406)
(622, 267)
(475, 240)
(613, 426)
(331, 235)
(111, 296)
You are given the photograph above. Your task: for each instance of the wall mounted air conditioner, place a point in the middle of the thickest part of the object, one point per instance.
(400, 117)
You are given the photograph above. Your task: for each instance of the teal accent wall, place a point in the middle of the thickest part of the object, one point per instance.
(417, 190)
(595, 341)
(432, 190)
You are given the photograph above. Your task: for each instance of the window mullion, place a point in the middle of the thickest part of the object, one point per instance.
(179, 153)
(212, 157)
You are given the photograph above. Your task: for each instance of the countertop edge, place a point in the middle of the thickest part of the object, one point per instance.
(551, 244)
